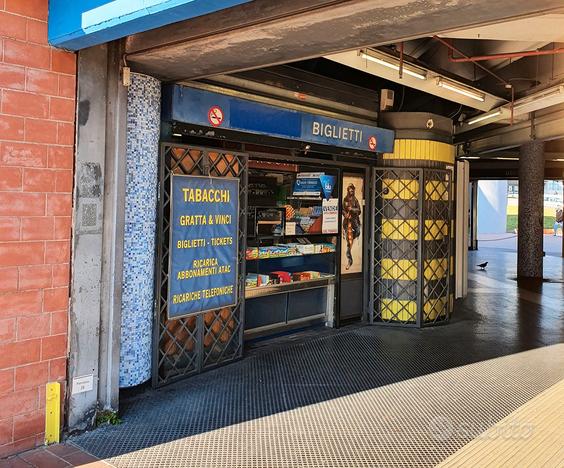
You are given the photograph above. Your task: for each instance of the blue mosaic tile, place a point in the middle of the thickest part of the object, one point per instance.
(143, 128)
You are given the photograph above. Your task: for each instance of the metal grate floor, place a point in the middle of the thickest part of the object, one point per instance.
(361, 396)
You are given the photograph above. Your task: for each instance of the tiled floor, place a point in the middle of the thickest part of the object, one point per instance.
(532, 436)
(54, 456)
(358, 396)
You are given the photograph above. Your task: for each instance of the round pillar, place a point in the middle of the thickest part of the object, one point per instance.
(530, 234)
(414, 232)
(142, 155)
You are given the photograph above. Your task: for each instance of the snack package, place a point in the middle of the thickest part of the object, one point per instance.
(312, 274)
(263, 252)
(263, 280)
(281, 276)
(252, 253)
(301, 276)
(327, 247)
(278, 251)
(251, 281)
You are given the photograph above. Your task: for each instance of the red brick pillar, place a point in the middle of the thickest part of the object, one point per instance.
(37, 110)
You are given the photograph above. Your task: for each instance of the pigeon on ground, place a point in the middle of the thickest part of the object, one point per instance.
(483, 265)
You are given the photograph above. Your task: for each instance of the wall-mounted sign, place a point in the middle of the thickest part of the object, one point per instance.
(203, 256)
(199, 107)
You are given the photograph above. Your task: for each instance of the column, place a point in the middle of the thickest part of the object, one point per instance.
(142, 155)
(531, 198)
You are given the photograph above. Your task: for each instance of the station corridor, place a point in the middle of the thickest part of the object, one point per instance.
(368, 396)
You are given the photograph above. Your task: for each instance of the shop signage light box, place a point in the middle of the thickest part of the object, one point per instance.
(203, 244)
(200, 107)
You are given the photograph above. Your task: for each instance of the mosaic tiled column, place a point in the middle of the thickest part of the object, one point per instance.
(143, 128)
(530, 219)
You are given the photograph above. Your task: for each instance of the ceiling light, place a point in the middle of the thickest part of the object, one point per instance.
(541, 100)
(507, 159)
(483, 117)
(469, 157)
(394, 64)
(458, 88)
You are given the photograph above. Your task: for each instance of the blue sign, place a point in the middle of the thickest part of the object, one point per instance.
(203, 244)
(199, 107)
(314, 185)
(78, 24)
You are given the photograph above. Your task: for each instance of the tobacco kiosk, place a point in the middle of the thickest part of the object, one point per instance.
(295, 230)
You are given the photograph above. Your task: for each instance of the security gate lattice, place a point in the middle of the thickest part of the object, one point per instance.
(186, 346)
(411, 246)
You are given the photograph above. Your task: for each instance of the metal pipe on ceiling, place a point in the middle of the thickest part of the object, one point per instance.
(458, 51)
(509, 55)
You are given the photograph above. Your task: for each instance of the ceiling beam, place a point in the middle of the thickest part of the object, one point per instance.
(548, 126)
(324, 30)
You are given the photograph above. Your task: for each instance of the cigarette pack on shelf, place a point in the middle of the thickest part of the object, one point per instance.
(280, 277)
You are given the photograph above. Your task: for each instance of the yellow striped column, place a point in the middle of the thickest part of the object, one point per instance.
(423, 141)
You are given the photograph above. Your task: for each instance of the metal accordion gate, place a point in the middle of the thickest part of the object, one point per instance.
(411, 246)
(186, 346)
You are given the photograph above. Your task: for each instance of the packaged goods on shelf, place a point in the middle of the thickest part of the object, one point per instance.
(251, 280)
(327, 247)
(280, 277)
(304, 249)
(263, 252)
(290, 212)
(278, 251)
(300, 276)
(252, 253)
(263, 280)
(312, 274)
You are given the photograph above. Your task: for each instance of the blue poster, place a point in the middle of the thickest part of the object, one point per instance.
(203, 244)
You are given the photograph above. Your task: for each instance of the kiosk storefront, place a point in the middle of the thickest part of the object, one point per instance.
(262, 225)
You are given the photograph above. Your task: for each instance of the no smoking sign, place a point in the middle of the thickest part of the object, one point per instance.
(215, 116)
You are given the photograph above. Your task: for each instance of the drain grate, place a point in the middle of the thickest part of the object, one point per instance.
(365, 396)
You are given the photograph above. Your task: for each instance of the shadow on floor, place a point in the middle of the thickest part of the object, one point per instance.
(496, 319)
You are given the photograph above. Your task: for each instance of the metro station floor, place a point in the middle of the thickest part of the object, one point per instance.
(361, 395)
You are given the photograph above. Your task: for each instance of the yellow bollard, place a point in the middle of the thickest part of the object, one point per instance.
(52, 413)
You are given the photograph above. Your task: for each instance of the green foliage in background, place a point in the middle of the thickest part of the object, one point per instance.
(512, 222)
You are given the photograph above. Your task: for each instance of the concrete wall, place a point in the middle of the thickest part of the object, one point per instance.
(36, 178)
(492, 206)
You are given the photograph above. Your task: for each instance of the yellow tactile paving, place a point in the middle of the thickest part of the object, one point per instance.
(531, 436)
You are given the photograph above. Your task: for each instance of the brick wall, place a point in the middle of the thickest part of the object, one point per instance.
(37, 108)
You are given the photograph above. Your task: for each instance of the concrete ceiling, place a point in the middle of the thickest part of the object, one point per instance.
(300, 31)
(540, 29)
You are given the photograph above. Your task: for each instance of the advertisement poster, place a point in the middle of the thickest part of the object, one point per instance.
(203, 244)
(330, 223)
(352, 216)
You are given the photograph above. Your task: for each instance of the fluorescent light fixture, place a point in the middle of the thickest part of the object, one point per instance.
(507, 159)
(458, 88)
(483, 117)
(394, 64)
(177, 134)
(469, 157)
(546, 98)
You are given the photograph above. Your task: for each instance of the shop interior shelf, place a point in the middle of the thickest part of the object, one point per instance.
(260, 291)
(289, 255)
